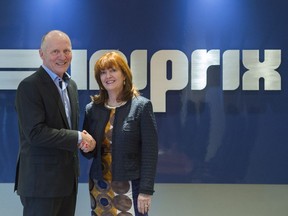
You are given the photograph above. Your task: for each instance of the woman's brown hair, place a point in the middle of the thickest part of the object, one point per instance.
(114, 60)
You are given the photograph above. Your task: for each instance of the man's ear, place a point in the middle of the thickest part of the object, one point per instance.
(41, 53)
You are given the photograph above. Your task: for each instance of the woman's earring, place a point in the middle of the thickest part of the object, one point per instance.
(124, 83)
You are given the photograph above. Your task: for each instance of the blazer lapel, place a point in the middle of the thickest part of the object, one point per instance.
(50, 86)
(72, 92)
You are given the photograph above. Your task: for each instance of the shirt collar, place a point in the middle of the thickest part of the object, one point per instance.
(55, 77)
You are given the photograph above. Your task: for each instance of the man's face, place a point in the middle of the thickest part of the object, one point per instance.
(56, 53)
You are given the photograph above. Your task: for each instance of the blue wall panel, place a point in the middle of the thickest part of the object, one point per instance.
(205, 136)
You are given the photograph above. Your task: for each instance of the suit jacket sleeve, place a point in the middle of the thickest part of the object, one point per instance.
(40, 117)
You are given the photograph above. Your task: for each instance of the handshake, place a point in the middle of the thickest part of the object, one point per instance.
(88, 143)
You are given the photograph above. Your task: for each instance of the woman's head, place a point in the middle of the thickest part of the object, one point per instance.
(113, 60)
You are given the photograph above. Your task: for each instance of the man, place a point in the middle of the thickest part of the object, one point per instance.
(48, 112)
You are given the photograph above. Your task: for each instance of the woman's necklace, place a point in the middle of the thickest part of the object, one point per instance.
(114, 106)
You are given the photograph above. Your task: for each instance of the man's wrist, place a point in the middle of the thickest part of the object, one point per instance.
(79, 137)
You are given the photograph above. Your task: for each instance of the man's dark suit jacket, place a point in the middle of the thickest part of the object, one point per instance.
(47, 163)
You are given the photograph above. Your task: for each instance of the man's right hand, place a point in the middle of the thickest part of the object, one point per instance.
(88, 143)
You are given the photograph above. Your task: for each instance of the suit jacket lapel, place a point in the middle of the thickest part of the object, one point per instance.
(50, 86)
(72, 92)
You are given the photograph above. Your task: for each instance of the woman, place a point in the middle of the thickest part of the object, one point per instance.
(122, 173)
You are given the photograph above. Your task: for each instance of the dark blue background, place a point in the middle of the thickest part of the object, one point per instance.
(214, 136)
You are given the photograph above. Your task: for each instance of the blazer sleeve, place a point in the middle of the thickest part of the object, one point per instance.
(149, 149)
(89, 126)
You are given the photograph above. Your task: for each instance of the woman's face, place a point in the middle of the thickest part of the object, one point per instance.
(112, 79)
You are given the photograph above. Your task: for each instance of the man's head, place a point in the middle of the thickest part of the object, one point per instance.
(56, 51)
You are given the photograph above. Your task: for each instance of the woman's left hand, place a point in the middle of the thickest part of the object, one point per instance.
(144, 203)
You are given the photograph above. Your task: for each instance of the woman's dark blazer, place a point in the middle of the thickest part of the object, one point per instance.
(134, 141)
